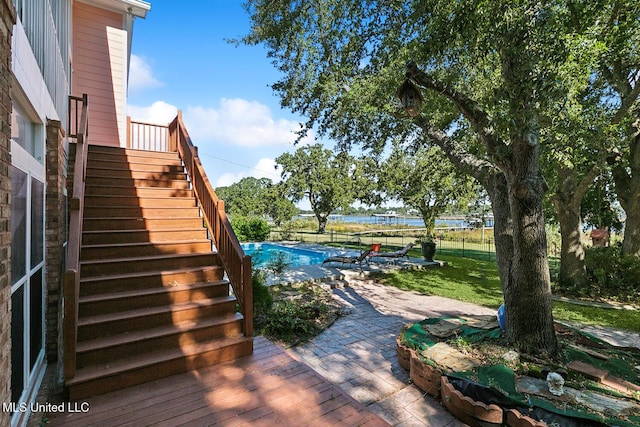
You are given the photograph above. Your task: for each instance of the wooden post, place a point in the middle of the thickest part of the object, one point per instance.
(69, 328)
(128, 131)
(247, 289)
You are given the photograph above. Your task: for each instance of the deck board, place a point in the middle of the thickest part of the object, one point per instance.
(267, 388)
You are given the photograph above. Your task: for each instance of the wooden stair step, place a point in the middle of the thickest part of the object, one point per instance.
(126, 182)
(92, 268)
(97, 237)
(158, 191)
(148, 367)
(141, 249)
(98, 151)
(134, 299)
(108, 349)
(124, 173)
(131, 224)
(135, 201)
(141, 213)
(136, 167)
(130, 162)
(149, 279)
(102, 325)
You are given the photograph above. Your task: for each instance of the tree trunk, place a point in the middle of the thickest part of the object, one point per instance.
(496, 188)
(527, 294)
(573, 270)
(566, 202)
(626, 176)
(322, 223)
(428, 217)
(631, 243)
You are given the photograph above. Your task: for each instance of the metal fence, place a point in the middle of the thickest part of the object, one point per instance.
(470, 247)
(460, 245)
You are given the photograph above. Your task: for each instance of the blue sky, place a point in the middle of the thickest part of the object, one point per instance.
(181, 60)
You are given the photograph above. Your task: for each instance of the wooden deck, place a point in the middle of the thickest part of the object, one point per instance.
(267, 388)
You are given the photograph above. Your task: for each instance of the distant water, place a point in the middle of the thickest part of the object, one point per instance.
(408, 221)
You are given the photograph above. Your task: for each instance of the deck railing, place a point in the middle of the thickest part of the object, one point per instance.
(237, 265)
(147, 136)
(78, 130)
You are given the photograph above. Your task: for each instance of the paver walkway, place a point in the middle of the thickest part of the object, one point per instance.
(358, 352)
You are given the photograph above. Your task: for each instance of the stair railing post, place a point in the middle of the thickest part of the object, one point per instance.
(69, 331)
(247, 296)
(128, 131)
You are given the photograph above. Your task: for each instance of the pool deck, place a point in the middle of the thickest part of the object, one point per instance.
(336, 271)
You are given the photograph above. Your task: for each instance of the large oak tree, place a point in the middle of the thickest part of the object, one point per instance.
(490, 72)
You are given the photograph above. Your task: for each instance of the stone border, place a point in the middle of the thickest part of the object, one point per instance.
(515, 418)
(432, 381)
(467, 410)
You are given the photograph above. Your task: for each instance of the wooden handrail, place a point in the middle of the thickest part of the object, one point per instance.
(237, 265)
(71, 279)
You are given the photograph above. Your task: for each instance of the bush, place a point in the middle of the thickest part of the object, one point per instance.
(278, 263)
(298, 313)
(262, 299)
(612, 275)
(294, 321)
(250, 229)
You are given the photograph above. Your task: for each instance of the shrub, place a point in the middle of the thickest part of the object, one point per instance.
(294, 321)
(278, 263)
(299, 312)
(262, 298)
(251, 229)
(612, 275)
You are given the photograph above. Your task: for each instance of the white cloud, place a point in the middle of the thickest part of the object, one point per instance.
(159, 112)
(264, 168)
(141, 76)
(240, 122)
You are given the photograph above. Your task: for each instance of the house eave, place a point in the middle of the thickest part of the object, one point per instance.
(136, 8)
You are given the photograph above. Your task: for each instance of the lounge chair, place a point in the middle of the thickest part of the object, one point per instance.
(345, 259)
(397, 254)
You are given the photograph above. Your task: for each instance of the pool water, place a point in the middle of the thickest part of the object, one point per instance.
(262, 253)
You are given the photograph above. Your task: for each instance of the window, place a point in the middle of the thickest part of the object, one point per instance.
(26, 133)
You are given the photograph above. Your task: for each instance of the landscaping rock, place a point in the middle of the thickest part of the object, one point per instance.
(448, 357)
(445, 328)
(511, 356)
(597, 402)
(588, 370)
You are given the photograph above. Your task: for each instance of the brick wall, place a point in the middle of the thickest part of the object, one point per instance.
(7, 19)
(55, 220)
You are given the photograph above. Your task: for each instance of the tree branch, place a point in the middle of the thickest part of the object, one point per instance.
(478, 118)
(586, 181)
(478, 168)
(629, 97)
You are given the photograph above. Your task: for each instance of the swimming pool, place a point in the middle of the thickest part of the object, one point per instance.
(262, 253)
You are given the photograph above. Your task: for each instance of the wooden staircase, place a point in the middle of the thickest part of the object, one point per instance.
(153, 300)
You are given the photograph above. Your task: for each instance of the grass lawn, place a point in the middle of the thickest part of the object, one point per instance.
(477, 281)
